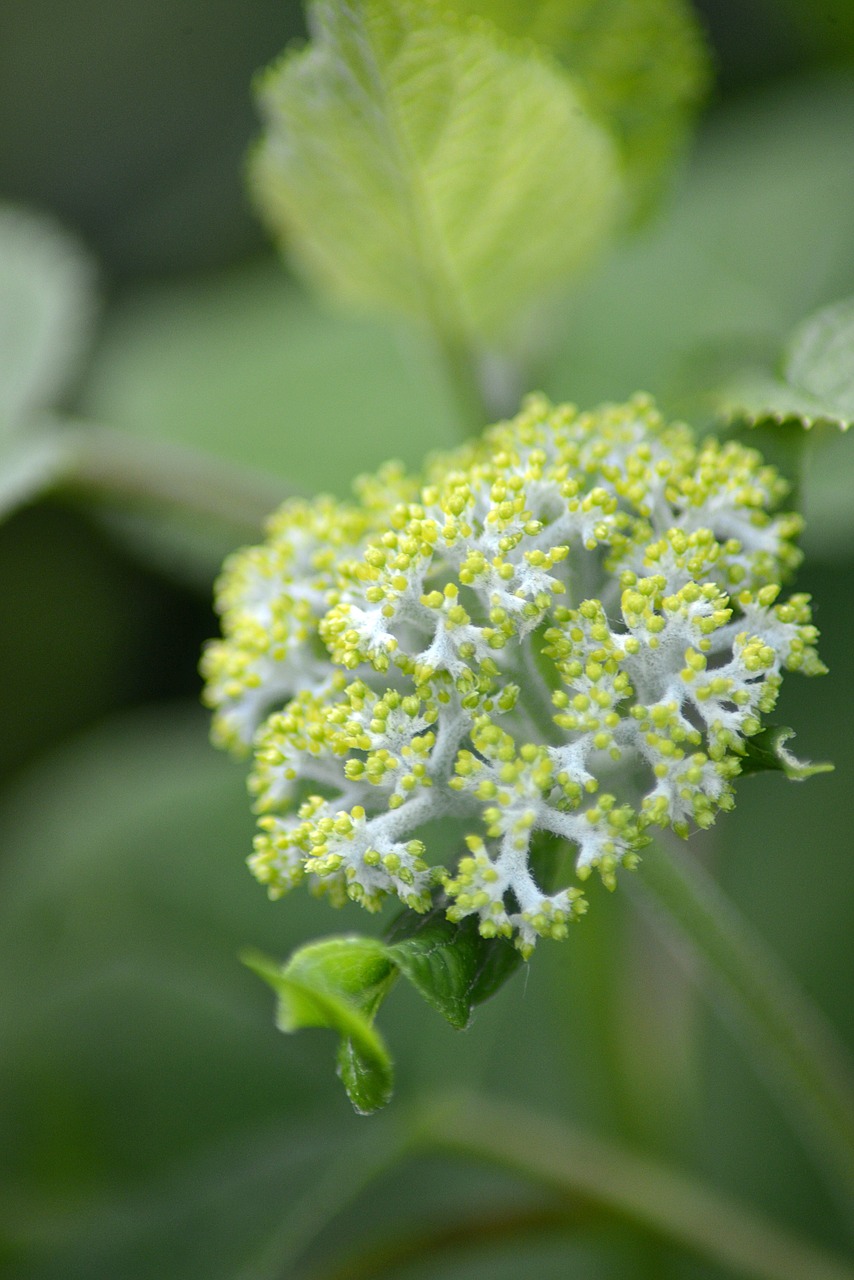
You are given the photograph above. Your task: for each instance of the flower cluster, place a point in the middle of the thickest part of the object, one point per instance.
(560, 635)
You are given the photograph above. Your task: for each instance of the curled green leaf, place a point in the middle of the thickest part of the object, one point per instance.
(450, 965)
(340, 983)
(768, 751)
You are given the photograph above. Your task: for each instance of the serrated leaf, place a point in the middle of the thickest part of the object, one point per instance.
(821, 360)
(642, 65)
(816, 380)
(427, 166)
(47, 306)
(767, 751)
(340, 982)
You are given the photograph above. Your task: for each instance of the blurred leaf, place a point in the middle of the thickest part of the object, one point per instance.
(153, 1124)
(47, 307)
(244, 366)
(642, 64)
(134, 1048)
(771, 183)
(29, 466)
(124, 902)
(767, 750)
(816, 382)
(423, 165)
(827, 505)
(814, 389)
(341, 982)
(826, 26)
(142, 151)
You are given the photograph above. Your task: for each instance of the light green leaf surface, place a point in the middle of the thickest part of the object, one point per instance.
(47, 306)
(241, 368)
(642, 64)
(759, 236)
(816, 381)
(694, 300)
(241, 365)
(426, 166)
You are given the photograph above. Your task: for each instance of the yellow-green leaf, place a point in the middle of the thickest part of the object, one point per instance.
(642, 64)
(429, 165)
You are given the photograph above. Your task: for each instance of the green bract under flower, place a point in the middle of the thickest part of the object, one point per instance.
(568, 627)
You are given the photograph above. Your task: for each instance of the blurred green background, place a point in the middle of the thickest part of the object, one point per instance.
(152, 1121)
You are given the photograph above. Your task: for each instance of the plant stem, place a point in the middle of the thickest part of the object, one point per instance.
(594, 1182)
(459, 365)
(630, 1187)
(307, 1215)
(791, 1036)
(385, 1257)
(112, 465)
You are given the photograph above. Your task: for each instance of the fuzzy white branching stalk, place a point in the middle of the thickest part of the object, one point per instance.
(571, 626)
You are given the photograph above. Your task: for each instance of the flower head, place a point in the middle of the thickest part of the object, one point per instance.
(567, 628)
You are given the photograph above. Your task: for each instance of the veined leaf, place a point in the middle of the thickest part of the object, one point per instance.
(429, 166)
(768, 751)
(816, 382)
(340, 983)
(450, 965)
(642, 64)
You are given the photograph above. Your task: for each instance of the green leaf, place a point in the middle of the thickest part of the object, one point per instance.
(425, 165)
(450, 965)
(767, 751)
(131, 1040)
(340, 982)
(237, 365)
(816, 380)
(642, 64)
(47, 306)
(234, 368)
(30, 465)
(707, 279)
